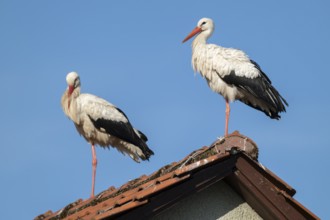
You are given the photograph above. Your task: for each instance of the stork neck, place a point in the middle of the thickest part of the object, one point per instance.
(72, 98)
(201, 38)
(76, 92)
(71, 107)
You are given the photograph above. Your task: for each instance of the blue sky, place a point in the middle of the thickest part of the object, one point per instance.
(130, 53)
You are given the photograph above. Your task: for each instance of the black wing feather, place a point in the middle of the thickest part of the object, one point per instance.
(259, 87)
(123, 131)
(260, 70)
(118, 129)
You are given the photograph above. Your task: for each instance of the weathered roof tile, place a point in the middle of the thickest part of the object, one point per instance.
(149, 195)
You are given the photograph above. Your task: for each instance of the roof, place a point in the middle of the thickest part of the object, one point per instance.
(232, 159)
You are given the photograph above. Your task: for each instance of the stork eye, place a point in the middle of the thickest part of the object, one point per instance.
(204, 22)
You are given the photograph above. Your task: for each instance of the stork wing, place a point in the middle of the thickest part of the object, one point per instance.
(110, 119)
(236, 69)
(118, 129)
(256, 86)
(259, 86)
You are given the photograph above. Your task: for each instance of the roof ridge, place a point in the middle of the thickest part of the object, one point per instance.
(193, 162)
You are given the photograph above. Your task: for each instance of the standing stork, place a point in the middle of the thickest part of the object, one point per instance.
(232, 74)
(102, 123)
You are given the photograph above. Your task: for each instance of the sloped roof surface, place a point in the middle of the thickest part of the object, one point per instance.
(233, 159)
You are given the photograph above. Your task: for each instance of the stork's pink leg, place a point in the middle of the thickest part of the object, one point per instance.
(94, 164)
(227, 117)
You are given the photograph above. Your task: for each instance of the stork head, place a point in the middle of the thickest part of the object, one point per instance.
(205, 26)
(73, 81)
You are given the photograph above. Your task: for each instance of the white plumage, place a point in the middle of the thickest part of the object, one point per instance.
(102, 123)
(231, 73)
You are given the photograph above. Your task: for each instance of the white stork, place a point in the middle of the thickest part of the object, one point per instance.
(102, 123)
(231, 73)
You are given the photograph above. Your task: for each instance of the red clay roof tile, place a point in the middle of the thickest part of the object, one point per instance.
(149, 195)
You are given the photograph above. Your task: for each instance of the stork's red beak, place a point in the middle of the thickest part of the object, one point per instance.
(197, 30)
(71, 88)
(70, 91)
